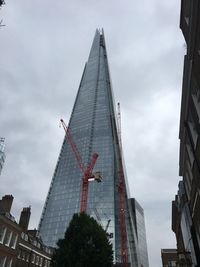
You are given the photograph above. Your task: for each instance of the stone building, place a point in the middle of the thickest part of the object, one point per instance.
(186, 206)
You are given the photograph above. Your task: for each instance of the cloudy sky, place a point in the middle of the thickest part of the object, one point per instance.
(43, 49)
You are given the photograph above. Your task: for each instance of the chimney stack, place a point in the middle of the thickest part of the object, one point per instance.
(24, 218)
(6, 203)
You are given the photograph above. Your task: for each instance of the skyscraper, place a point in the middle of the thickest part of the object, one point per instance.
(2, 154)
(138, 213)
(94, 129)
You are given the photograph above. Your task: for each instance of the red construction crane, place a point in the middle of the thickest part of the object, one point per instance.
(87, 173)
(122, 218)
(122, 201)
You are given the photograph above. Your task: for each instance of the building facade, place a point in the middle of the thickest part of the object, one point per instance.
(181, 226)
(9, 233)
(32, 252)
(2, 153)
(20, 247)
(138, 214)
(169, 258)
(189, 132)
(94, 129)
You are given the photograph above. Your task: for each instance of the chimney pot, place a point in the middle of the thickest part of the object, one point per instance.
(6, 203)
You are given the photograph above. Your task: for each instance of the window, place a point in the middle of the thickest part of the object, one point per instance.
(190, 154)
(26, 237)
(33, 258)
(37, 260)
(27, 257)
(8, 262)
(23, 255)
(2, 233)
(187, 20)
(41, 261)
(193, 132)
(19, 254)
(13, 241)
(171, 263)
(8, 237)
(2, 261)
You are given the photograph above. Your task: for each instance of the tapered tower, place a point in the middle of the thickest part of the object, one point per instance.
(94, 129)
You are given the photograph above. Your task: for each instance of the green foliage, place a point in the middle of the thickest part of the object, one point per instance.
(85, 245)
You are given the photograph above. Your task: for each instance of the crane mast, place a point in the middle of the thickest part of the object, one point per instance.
(122, 195)
(119, 124)
(73, 145)
(122, 207)
(87, 173)
(85, 182)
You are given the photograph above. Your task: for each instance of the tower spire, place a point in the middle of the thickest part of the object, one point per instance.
(94, 129)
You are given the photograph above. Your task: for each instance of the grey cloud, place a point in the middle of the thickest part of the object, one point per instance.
(43, 50)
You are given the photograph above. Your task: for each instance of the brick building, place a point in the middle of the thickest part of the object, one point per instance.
(20, 247)
(10, 233)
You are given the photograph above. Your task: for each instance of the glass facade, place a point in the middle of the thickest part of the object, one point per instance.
(141, 232)
(93, 127)
(2, 154)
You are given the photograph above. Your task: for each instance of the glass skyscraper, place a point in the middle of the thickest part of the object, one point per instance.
(141, 232)
(94, 129)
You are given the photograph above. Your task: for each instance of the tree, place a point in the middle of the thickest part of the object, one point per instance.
(85, 245)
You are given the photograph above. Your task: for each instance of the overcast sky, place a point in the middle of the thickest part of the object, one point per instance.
(43, 50)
